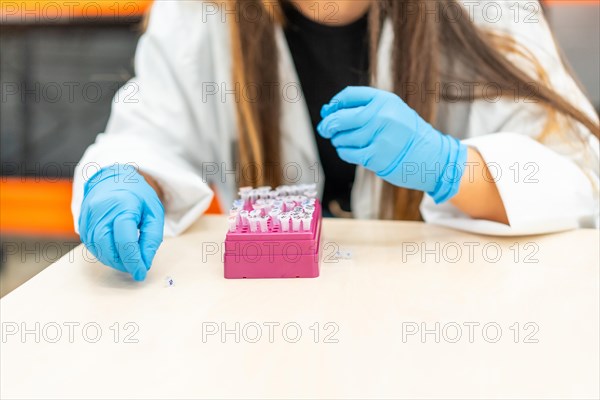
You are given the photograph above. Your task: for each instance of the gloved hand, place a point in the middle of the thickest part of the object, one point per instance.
(376, 129)
(117, 202)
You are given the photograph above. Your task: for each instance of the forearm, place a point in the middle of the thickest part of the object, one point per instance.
(478, 194)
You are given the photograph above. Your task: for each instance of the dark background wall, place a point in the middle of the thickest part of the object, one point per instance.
(57, 85)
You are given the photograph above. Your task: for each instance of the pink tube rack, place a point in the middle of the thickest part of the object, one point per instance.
(263, 248)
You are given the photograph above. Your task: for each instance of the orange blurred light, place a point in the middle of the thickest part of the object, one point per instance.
(57, 10)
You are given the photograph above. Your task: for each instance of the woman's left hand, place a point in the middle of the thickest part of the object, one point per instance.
(379, 131)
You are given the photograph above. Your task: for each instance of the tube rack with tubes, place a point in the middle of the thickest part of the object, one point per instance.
(274, 233)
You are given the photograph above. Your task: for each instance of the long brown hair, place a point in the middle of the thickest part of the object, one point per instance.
(422, 43)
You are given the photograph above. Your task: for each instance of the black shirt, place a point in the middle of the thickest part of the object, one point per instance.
(328, 59)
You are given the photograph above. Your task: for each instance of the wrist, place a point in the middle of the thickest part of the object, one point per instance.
(153, 184)
(116, 173)
(451, 169)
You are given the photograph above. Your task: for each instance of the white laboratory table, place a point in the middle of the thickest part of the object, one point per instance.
(502, 318)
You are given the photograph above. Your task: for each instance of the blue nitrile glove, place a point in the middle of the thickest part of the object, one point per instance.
(122, 220)
(376, 129)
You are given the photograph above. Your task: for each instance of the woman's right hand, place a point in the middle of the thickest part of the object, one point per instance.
(122, 220)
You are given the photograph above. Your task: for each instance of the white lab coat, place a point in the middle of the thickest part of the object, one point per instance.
(167, 122)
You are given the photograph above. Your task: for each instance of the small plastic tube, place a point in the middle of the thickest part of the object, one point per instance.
(274, 214)
(296, 220)
(260, 207)
(263, 223)
(244, 217)
(253, 220)
(297, 210)
(310, 202)
(255, 214)
(284, 220)
(309, 209)
(245, 194)
(343, 254)
(268, 205)
(232, 221)
(289, 206)
(282, 190)
(311, 194)
(238, 203)
(245, 189)
(306, 221)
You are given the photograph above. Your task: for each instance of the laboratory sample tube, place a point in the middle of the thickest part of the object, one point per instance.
(306, 221)
(274, 214)
(253, 220)
(300, 199)
(289, 206)
(284, 220)
(244, 217)
(309, 209)
(255, 213)
(235, 214)
(296, 220)
(311, 194)
(268, 205)
(263, 221)
(245, 194)
(238, 203)
(282, 190)
(258, 207)
(232, 220)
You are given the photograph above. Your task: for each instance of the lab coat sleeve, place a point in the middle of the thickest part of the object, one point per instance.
(151, 125)
(546, 184)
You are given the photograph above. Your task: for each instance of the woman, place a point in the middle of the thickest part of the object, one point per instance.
(397, 109)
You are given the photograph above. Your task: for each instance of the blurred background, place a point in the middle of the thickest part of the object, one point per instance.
(61, 63)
